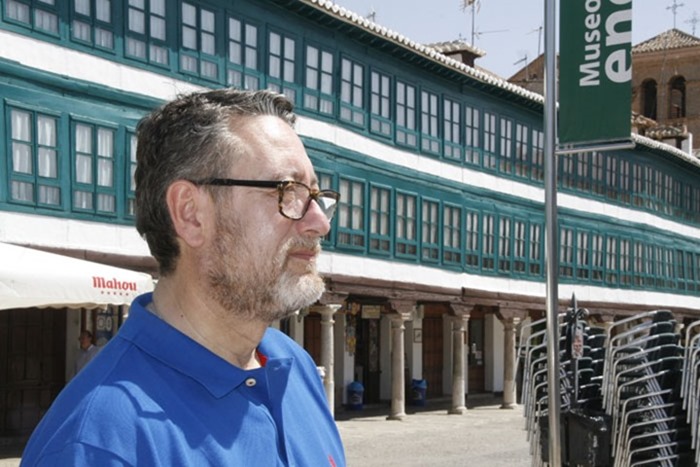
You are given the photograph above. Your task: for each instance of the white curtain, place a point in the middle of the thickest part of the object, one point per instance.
(21, 142)
(46, 137)
(83, 156)
(105, 151)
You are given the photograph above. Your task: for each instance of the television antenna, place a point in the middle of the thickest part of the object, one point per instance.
(478, 34)
(475, 6)
(372, 15)
(538, 30)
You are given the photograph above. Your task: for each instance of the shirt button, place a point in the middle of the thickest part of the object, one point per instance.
(250, 382)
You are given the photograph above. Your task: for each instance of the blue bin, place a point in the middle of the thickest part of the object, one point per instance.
(418, 389)
(355, 392)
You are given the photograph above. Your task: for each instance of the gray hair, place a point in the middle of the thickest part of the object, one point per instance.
(190, 138)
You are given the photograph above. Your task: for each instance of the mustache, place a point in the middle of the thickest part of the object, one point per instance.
(311, 244)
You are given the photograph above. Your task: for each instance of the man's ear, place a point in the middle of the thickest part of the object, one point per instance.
(187, 205)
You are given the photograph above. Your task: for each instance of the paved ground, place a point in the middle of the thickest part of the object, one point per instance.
(485, 436)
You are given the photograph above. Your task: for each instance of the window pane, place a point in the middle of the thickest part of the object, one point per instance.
(82, 7)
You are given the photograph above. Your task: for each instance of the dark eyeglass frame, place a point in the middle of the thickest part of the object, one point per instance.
(280, 186)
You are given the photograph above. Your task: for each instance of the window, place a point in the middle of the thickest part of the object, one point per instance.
(131, 187)
(198, 54)
(380, 104)
(664, 268)
(682, 262)
(625, 180)
(504, 244)
(325, 182)
(281, 65)
(94, 189)
(649, 186)
(39, 15)
(536, 249)
(351, 214)
(452, 127)
(430, 239)
(537, 155)
(243, 70)
(430, 138)
(519, 246)
(506, 146)
(146, 32)
(34, 173)
(406, 133)
(405, 218)
(92, 23)
(597, 173)
(488, 237)
(625, 262)
(567, 171)
(611, 269)
(318, 92)
(352, 92)
(452, 235)
(379, 227)
(677, 98)
(672, 194)
(581, 177)
(490, 131)
(566, 260)
(522, 153)
(637, 184)
(472, 130)
(471, 247)
(583, 258)
(691, 263)
(649, 99)
(598, 257)
(648, 271)
(612, 175)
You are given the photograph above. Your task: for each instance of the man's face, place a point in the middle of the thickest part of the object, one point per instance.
(85, 341)
(260, 263)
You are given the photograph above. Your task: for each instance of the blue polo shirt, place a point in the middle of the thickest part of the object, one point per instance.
(155, 397)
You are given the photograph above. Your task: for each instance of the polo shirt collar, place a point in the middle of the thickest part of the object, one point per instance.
(178, 351)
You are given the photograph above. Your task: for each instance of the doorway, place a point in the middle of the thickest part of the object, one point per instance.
(477, 372)
(367, 364)
(32, 366)
(433, 347)
(312, 336)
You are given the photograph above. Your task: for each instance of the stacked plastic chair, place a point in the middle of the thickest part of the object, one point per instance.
(642, 392)
(690, 384)
(580, 380)
(630, 398)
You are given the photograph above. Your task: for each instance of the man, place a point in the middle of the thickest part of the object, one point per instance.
(87, 351)
(228, 202)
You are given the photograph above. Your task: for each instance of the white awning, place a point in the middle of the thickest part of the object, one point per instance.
(33, 278)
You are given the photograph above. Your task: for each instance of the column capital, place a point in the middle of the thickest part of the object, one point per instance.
(330, 298)
(461, 309)
(460, 321)
(325, 309)
(511, 314)
(403, 309)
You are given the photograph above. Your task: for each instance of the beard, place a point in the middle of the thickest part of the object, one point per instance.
(250, 284)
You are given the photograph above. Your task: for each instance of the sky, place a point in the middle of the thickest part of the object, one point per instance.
(507, 30)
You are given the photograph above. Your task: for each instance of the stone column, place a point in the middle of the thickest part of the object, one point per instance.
(398, 382)
(459, 323)
(509, 370)
(327, 351)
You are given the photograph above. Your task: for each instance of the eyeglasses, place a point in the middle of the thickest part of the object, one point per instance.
(294, 197)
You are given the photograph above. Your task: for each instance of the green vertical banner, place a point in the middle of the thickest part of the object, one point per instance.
(595, 70)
